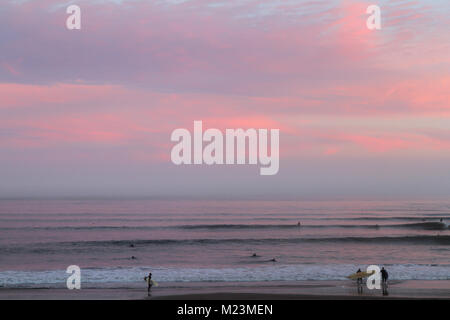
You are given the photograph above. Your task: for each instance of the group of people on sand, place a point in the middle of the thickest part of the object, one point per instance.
(384, 281)
(359, 280)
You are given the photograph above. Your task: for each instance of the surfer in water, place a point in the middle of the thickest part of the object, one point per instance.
(149, 282)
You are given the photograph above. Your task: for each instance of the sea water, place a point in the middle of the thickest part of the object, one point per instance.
(120, 241)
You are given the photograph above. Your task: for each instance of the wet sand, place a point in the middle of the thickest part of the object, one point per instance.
(339, 290)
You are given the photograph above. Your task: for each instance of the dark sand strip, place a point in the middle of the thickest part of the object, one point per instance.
(300, 290)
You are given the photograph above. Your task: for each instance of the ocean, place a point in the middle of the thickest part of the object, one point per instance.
(116, 242)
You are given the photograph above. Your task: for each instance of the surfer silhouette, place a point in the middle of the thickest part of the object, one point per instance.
(359, 279)
(384, 278)
(359, 282)
(384, 275)
(149, 282)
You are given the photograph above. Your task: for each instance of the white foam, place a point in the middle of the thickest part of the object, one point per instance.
(267, 273)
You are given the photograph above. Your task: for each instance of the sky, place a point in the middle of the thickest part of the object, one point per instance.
(89, 113)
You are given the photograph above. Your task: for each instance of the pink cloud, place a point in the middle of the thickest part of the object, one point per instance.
(133, 75)
(116, 115)
(11, 69)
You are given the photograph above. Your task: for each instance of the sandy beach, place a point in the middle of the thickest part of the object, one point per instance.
(339, 290)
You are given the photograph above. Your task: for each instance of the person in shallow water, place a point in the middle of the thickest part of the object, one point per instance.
(359, 282)
(384, 278)
(384, 275)
(149, 282)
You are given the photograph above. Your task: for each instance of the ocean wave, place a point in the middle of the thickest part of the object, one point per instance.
(420, 225)
(102, 244)
(96, 277)
(417, 239)
(423, 226)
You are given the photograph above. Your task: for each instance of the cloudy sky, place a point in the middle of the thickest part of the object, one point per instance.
(89, 112)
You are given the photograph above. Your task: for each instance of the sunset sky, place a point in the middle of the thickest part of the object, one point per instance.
(89, 112)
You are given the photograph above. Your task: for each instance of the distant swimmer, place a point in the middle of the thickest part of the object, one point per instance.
(133, 258)
(273, 260)
(255, 255)
(149, 281)
(131, 245)
(299, 224)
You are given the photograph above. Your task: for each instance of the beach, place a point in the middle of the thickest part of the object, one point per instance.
(278, 290)
(222, 249)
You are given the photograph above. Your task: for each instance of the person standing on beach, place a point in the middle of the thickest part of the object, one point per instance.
(359, 282)
(384, 278)
(359, 279)
(384, 275)
(149, 282)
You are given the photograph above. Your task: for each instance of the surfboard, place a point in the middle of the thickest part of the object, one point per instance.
(357, 275)
(152, 282)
